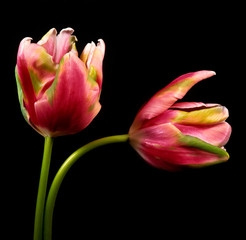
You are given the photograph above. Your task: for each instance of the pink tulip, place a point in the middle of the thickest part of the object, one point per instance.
(58, 91)
(171, 135)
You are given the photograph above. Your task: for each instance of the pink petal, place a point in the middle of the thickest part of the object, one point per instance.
(65, 42)
(157, 162)
(191, 106)
(217, 135)
(178, 157)
(190, 113)
(48, 41)
(146, 140)
(87, 53)
(97, 61)
(23, 73)
(160, 135)
(72, 101)
(29, 96)
(41, 68)
(164, 146)
(93, 55)
(166, 97)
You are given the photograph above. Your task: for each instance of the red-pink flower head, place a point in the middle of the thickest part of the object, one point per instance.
(171, 135)
(58, 91)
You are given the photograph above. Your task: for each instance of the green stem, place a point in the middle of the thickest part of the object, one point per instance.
(50, 203)
(38, 223)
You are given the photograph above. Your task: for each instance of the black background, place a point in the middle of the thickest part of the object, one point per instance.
(112, 192)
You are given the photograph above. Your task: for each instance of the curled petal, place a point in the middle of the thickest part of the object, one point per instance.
(207, 114)
(191, 113)
(166, 97)
(93, 55)
(65, 43)
(87, 53)
(35, 71)
(23, 72)
(192, 106)
(48, 41)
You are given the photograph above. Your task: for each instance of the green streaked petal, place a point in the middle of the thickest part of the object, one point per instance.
(48, 41)
(166, 97)
(203, 116)
(51, 91)
(41, 67)
(20, 96)
(92, 75)
(195, 142)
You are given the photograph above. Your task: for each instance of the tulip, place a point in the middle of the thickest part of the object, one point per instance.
(58, 91)
(171, 135)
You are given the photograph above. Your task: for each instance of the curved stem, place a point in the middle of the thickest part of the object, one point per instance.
(62, 173)
(39, 214)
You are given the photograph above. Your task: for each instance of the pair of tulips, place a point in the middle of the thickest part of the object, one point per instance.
(59, 94)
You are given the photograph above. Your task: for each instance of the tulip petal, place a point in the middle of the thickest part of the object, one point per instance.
(24, 106)
(24, 79)
(146, 140)
(87, 53)
(201, 153)
(191, 106)
(20, 97)
(157, 162)
(206, 114)
(166, 97)
(180, 157)
(71, 103)
(216, 134)
(41, 68)
(48, 41)
(165, 147)
(93, 55)
(191, 113)
(97, 60)
(65, 43)
(22, 72)
(165, 135)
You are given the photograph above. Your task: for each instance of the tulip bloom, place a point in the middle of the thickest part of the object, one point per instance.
(171, 135)
(58, 91)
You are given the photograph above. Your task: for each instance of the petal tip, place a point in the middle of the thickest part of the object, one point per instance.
(211, 73)
(26, 39)
(203, 74)
(101, 45)
(24, 43)
(67, 30)
(53, 31)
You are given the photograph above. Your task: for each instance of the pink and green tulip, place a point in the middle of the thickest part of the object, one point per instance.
(171, 135)
(58, 91)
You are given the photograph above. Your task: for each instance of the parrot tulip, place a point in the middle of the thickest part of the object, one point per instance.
(58, 91)
(171, 135)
